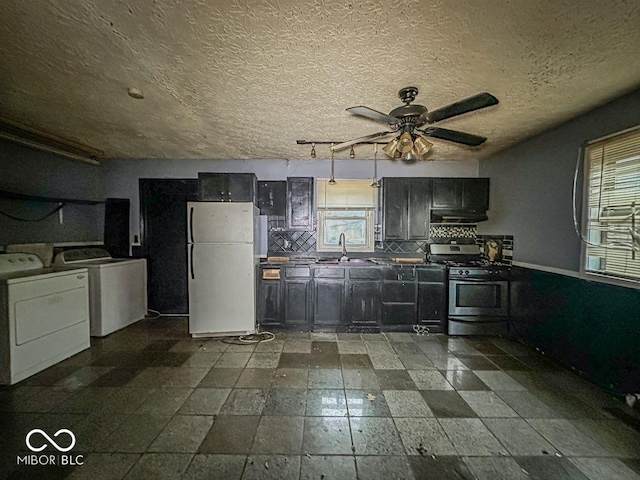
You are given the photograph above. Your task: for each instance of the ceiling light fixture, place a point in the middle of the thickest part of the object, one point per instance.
(136, 93)
(332, 180)
(352, 153)
(375, 183)
(313, 150)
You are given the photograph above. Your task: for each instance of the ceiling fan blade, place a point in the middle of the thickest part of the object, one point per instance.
(454, 136)
(366, 138)
(476, 102)
(373, 115)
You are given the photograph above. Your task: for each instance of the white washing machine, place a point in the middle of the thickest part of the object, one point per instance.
(117, 287)
(44, 315)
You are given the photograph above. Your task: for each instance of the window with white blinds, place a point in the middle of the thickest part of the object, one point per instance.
(613, 206)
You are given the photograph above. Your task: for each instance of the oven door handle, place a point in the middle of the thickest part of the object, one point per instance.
(476, 280)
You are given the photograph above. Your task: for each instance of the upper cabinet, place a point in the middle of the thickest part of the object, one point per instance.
(300, 203)
(272, 198)
(227, 187)
(460, 194)
(405, 208)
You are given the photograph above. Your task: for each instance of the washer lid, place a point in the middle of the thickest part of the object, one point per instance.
(77, 255)
(19, 262)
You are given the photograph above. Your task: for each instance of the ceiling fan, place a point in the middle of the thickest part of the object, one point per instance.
(412, 143)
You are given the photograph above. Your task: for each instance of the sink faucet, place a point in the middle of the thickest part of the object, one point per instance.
(343, 241)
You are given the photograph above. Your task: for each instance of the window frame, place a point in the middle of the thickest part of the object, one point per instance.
(369, 219)
(588, 233)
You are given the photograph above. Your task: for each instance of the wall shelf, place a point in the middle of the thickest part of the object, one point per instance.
(37, 198)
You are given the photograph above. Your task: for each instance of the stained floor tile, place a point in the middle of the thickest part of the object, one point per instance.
(367, 403)
(231, 434)
(207, 466)
(447, 404)
(326, 403)
(325, 378)
(407, 403)
(439, 468)
(205, 401)
(519, 437)
(272, 467)
(395, 380)
(183, 434)
(244, 401)
(375, 436)
(279, 435)
(286, 402)
(471, 438)
(159, 465)
(326, 436)
(495, 468)
(424, 436)
(327, 466)
(378, 467)
(221, 378)
(255, 378)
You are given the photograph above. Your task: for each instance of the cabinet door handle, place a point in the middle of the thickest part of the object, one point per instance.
(193, 275)
(191, 224)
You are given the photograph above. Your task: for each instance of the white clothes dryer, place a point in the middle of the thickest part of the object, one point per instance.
(44, 315)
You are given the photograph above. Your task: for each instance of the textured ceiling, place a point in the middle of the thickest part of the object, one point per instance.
(246, 78)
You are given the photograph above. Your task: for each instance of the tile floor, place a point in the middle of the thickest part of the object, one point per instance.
(150, 402)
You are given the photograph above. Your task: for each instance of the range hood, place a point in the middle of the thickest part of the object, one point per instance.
(458, 216)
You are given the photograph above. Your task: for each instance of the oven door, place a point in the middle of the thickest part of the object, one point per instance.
(478, 297)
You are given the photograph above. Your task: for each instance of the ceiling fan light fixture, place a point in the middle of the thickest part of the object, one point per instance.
(390, 148)
(410, 156)
(352, 152)
(421, 145)
(405, 142)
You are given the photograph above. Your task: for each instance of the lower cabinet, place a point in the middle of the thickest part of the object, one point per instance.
(328, 301)
(270, 302)
(296, 302)
(363, 303)
(353, 298)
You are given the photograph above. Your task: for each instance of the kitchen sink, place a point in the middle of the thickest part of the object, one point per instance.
(351, 261)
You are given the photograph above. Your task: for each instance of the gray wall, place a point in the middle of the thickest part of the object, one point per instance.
(531, 185)
(121, 175)
(31, 172)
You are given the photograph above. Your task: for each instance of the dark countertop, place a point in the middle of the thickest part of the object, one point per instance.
(355, 262)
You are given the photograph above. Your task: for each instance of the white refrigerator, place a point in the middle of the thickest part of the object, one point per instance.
(222, 254)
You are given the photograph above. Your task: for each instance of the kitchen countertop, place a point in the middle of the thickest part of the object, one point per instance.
(354, 262)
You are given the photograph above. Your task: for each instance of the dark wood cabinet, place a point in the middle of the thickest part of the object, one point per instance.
(405, 208)
(447, 193)
(395, 208)
(300, 203)
(475, 194)
(227, 187)
(270, 302)
(272, 198)
(363, 303)
(418, 211)
(297, 295)
(296, 306)
(399, 296)
(461, 193)
(328, 301)
(432, 298)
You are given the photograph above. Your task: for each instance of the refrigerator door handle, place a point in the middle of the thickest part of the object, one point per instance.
(193, 275)
(191, 224)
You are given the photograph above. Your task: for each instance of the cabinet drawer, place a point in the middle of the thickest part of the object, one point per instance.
(431, 275)
(337, 272)
(297, 272)
(402, 292)
(365, 273)
(400, 274)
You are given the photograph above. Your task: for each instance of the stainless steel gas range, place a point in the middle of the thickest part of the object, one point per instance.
(478, 290)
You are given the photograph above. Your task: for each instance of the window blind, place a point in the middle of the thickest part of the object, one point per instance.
(614, 187)
(352, 194)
